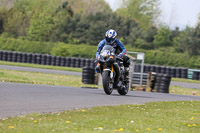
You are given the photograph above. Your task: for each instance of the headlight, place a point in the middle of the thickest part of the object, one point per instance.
(105, 53)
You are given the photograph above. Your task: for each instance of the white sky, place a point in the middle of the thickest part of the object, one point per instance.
(174, 12)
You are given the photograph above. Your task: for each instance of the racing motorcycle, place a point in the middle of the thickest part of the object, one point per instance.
(112, 71)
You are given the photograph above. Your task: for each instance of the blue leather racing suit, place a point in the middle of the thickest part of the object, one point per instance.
(117, 45)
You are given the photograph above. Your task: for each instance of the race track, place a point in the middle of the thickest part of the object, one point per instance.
(175, 83)
(20, 99)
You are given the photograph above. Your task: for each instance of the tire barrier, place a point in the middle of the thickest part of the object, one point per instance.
(88, 75)
(161, 83)
(171, 71)
(45, 59)
(196, 75)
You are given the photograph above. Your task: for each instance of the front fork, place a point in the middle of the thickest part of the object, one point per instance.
(111, 71)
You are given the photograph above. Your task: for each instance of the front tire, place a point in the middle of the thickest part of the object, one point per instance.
(106, 82)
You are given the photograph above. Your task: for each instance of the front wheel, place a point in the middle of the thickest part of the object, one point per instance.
(107, 84)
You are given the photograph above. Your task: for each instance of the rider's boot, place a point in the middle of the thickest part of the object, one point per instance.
(127, 72)
(97, 68)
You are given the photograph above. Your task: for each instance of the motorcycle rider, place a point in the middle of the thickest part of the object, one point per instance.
(110, 39)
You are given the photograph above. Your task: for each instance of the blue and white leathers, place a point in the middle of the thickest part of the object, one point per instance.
(104, 42)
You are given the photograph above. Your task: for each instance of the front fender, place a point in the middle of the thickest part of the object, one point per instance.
(111, 73)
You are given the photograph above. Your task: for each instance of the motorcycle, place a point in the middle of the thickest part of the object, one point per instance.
(112, 71)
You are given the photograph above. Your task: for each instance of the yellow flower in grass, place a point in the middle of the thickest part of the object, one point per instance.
(160, 129)
(137, 130)
(100, 128)
(194, 125)
(68, 122)
(192, 118)
(148, 129)
(121, 129)
(189, 125)
(35, 121)
(83, 110)
(11, 127)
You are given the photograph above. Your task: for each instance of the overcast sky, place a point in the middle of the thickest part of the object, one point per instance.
(174, 12)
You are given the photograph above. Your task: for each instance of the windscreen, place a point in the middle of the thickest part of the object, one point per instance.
(108, 47)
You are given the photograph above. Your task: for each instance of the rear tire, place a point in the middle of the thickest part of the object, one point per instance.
(123, 90)
(106, 82)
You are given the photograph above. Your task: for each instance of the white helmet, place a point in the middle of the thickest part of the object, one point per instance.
(111, 36)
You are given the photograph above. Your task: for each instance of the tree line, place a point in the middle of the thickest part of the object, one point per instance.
(85, 22)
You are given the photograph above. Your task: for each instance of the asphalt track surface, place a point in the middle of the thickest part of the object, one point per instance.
(19, 99)
(176, 83)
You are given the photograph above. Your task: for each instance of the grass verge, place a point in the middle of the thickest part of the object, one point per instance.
(160, 117)
(184, 91)
(186, 80)
(41, 78)
(73, 69)
(41, 66)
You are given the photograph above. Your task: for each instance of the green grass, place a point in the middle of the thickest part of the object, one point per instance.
(159, 117)
(184, 91)
(186, 80)
(41, 78)
(41, 66)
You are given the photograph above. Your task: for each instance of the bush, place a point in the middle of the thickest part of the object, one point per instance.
(83, 51)
(60, 50)
(20, 45)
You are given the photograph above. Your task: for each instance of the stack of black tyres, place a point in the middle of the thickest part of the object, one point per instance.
(168, 70)
(137, 68)
(9, 56)
(152, 68)
(163, 69)
(58, 61)
(82, 62)
(62, 62)
(77, 62)
(184, 73)
(178, 72)
(68, 61)
(88, 75)
(162, 83)
(173, 72)
(196, 75)
(14, 57)
(158, 69)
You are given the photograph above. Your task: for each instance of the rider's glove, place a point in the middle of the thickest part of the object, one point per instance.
(98, 57)
(121, 55)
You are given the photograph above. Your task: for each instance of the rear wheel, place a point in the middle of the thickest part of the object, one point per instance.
(123, 90)
(107, 84)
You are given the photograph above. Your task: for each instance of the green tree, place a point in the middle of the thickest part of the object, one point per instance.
(145, 12)
(163, 37)
(40, 27)
(3, 13)
(188, 42)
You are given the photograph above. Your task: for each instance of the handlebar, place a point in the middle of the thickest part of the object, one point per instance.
(119, 58)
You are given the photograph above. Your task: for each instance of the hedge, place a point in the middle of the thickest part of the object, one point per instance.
(87, 51)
